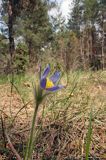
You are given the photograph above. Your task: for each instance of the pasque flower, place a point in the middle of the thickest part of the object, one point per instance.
(50, 84)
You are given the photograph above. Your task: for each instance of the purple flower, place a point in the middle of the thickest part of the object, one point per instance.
(50, 84)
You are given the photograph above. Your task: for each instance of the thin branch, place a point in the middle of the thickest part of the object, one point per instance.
(3, 131)
(24, 106)
(10, 145)
(20, 96)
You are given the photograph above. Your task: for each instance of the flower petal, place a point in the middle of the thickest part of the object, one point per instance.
(46, 72)
(43, 83)
(55, 77)
(55, 88)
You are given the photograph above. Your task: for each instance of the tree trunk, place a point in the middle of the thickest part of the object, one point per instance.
(33, 55)
(102, 45)
(82, 50)
(10, 28)
(30, 52)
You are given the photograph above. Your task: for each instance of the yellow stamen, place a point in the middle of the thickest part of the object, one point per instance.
(49, 83)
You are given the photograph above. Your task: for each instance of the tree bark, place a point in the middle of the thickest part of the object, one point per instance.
(10, 28)
(82, 43)
(102, 45)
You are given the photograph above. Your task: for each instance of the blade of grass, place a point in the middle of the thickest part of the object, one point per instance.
(89, 136)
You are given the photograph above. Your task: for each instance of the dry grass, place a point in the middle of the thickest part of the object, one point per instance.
(63, 118)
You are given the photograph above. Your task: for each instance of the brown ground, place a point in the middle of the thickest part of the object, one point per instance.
(62, 132)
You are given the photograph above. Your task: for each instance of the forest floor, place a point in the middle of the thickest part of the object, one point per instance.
(63, 118)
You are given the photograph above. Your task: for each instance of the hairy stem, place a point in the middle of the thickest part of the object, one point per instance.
(31, 139)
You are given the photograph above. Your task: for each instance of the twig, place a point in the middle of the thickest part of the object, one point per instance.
(4, 113)
(3, 131)
(12, 83)
(20, 111)
(12, 147)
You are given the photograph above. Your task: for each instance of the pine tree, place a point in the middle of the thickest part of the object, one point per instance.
(101, 20)
(35, 27)
(75, 17)
(83, 21)
(30, 20)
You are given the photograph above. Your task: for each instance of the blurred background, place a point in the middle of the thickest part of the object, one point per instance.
(71, 33)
